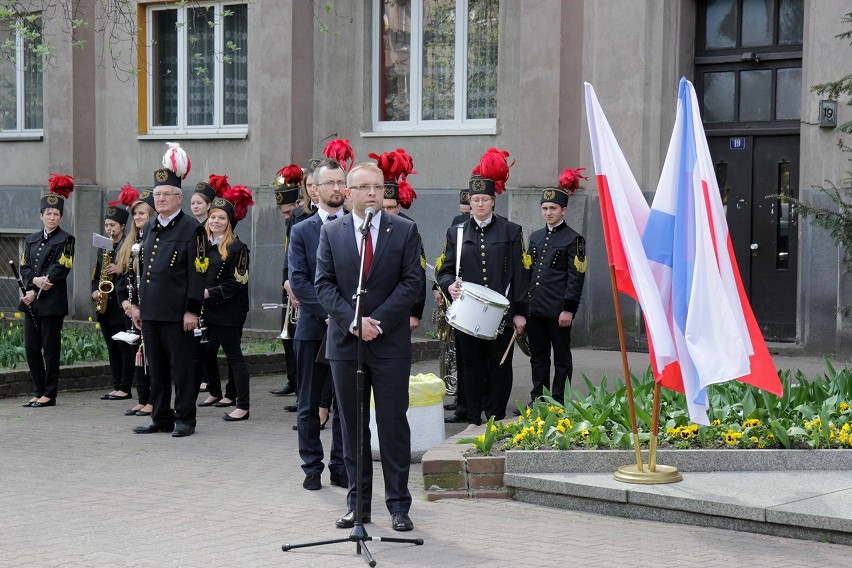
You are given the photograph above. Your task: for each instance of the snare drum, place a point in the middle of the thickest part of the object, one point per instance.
(478, 311)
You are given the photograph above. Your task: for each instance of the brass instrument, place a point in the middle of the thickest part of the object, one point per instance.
(447, 362)
(291, 317)
(105, 285)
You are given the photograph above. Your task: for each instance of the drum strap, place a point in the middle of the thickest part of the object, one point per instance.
(459, 237)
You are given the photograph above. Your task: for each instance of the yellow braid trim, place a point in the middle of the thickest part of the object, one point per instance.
(527, 260)
(439, 262)
(580, 265)
(66, 261)
(241, 278)
(201, 264)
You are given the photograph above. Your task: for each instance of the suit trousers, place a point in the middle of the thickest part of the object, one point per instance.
(484, 376)
(544, 333)
(170, 350)
(122, 357)
(388, 381)
(42, 346)
(289, 351)
(313, 380)
(229, 338)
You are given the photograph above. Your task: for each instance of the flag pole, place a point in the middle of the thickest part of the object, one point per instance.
(627, 382)
(655, 428)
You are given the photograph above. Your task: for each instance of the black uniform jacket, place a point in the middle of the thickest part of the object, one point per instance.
(227, 281)
(493, 257)
(51, 257)
(558, 271)
(173, 266)
(114, 313)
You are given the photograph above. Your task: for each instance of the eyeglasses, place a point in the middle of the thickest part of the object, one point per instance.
(164, 194)
(376, 188)
(329, 184)
(480, 201)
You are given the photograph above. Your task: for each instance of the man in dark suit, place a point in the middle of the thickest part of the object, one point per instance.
(171, 291)
(311, 328)
(394, 279)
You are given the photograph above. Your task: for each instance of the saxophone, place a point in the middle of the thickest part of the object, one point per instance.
(105, 286)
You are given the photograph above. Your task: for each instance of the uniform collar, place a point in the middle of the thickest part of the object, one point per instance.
(558, 227)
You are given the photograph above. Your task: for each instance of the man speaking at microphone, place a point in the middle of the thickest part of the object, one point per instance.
(393, 279)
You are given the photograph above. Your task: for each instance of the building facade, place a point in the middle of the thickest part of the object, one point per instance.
(248, 87)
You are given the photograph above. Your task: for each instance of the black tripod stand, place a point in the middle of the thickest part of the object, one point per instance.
(359, 534)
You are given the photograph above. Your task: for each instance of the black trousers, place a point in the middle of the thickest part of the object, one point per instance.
(42, 346)
(544, 333)
(484, 376)
(143, 385)
(289, 351)
(388, 381)
(314, 379)
(170, 350)
(122, 357)
(229, 337)
(461, 396)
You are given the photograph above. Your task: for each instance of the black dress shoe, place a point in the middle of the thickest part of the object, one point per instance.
(211, 403)
(228, 418)
(290, 408)
(183, 430)
(119, 396)
(451, 406)
(401, 522)
(130, 412)
(340, 479)
(221, 404)
(284, 391)
(153, 428)
(106, 396)
(37, 404)
(312, 482)
(347, 521)
(28, 403)
(454, 419)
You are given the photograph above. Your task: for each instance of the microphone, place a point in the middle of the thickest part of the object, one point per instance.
(368, 217)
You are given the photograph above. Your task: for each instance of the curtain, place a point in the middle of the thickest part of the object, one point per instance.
(235, 66)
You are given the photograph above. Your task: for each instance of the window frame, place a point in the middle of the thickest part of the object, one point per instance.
(217, 129)
(20, 132)
(416, 126)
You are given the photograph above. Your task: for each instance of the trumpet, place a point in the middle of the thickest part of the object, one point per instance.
(291, 317)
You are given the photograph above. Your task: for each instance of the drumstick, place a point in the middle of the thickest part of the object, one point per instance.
(509, 348)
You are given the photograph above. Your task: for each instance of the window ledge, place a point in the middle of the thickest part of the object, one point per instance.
(15, 137)
(478, 131)
(242, 135)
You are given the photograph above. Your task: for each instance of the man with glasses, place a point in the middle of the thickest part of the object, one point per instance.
(171, 292)
(493, 256)
(313, 377)
(394, 277)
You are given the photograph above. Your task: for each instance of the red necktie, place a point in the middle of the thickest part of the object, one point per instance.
(368, 253)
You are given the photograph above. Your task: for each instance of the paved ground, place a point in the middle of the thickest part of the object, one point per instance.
(80, 490)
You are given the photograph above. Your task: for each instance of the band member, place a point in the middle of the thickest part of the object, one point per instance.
(141, 211)
(314, 377)
(288, 187)
(226, 299)
(109, 313)
(394, 278)
(493, 256)
(459, 406)
(45, 263)
(201, 200)
(171, 291)
(396, 167)
(556, 284)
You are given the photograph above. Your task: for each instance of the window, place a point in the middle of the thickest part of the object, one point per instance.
(197, 69)
(435, 71)
(21, 86)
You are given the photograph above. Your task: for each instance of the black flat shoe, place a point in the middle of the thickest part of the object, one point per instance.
(131, 412)
(106, 396)
(119, 396)
(143, 413)
(221, 404)
(37, 404)
(228, 418)
(401, 522)
(28, 404)
(211, 403)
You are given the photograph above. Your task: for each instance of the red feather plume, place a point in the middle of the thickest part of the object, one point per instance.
(61, 185)
(241, 197)
(493, 166)
(292, 174)
(570, 179)
(340, 150)
(127, 197)
(219, 184)
(406, 193)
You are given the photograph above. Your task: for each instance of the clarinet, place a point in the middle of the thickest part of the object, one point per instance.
(23, 291)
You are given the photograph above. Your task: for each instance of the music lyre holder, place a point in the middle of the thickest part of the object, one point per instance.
(359, 534)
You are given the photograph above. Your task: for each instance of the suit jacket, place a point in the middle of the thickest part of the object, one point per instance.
(395, 280)
(302, 259)
(558, 271)
(420, 302)
(227, 282)
(493, 257)
(299, 214)
(173, 265)
(51, 257)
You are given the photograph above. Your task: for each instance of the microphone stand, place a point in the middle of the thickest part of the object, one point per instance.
(359, 534)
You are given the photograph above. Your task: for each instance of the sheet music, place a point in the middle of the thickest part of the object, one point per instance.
(101, 242)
